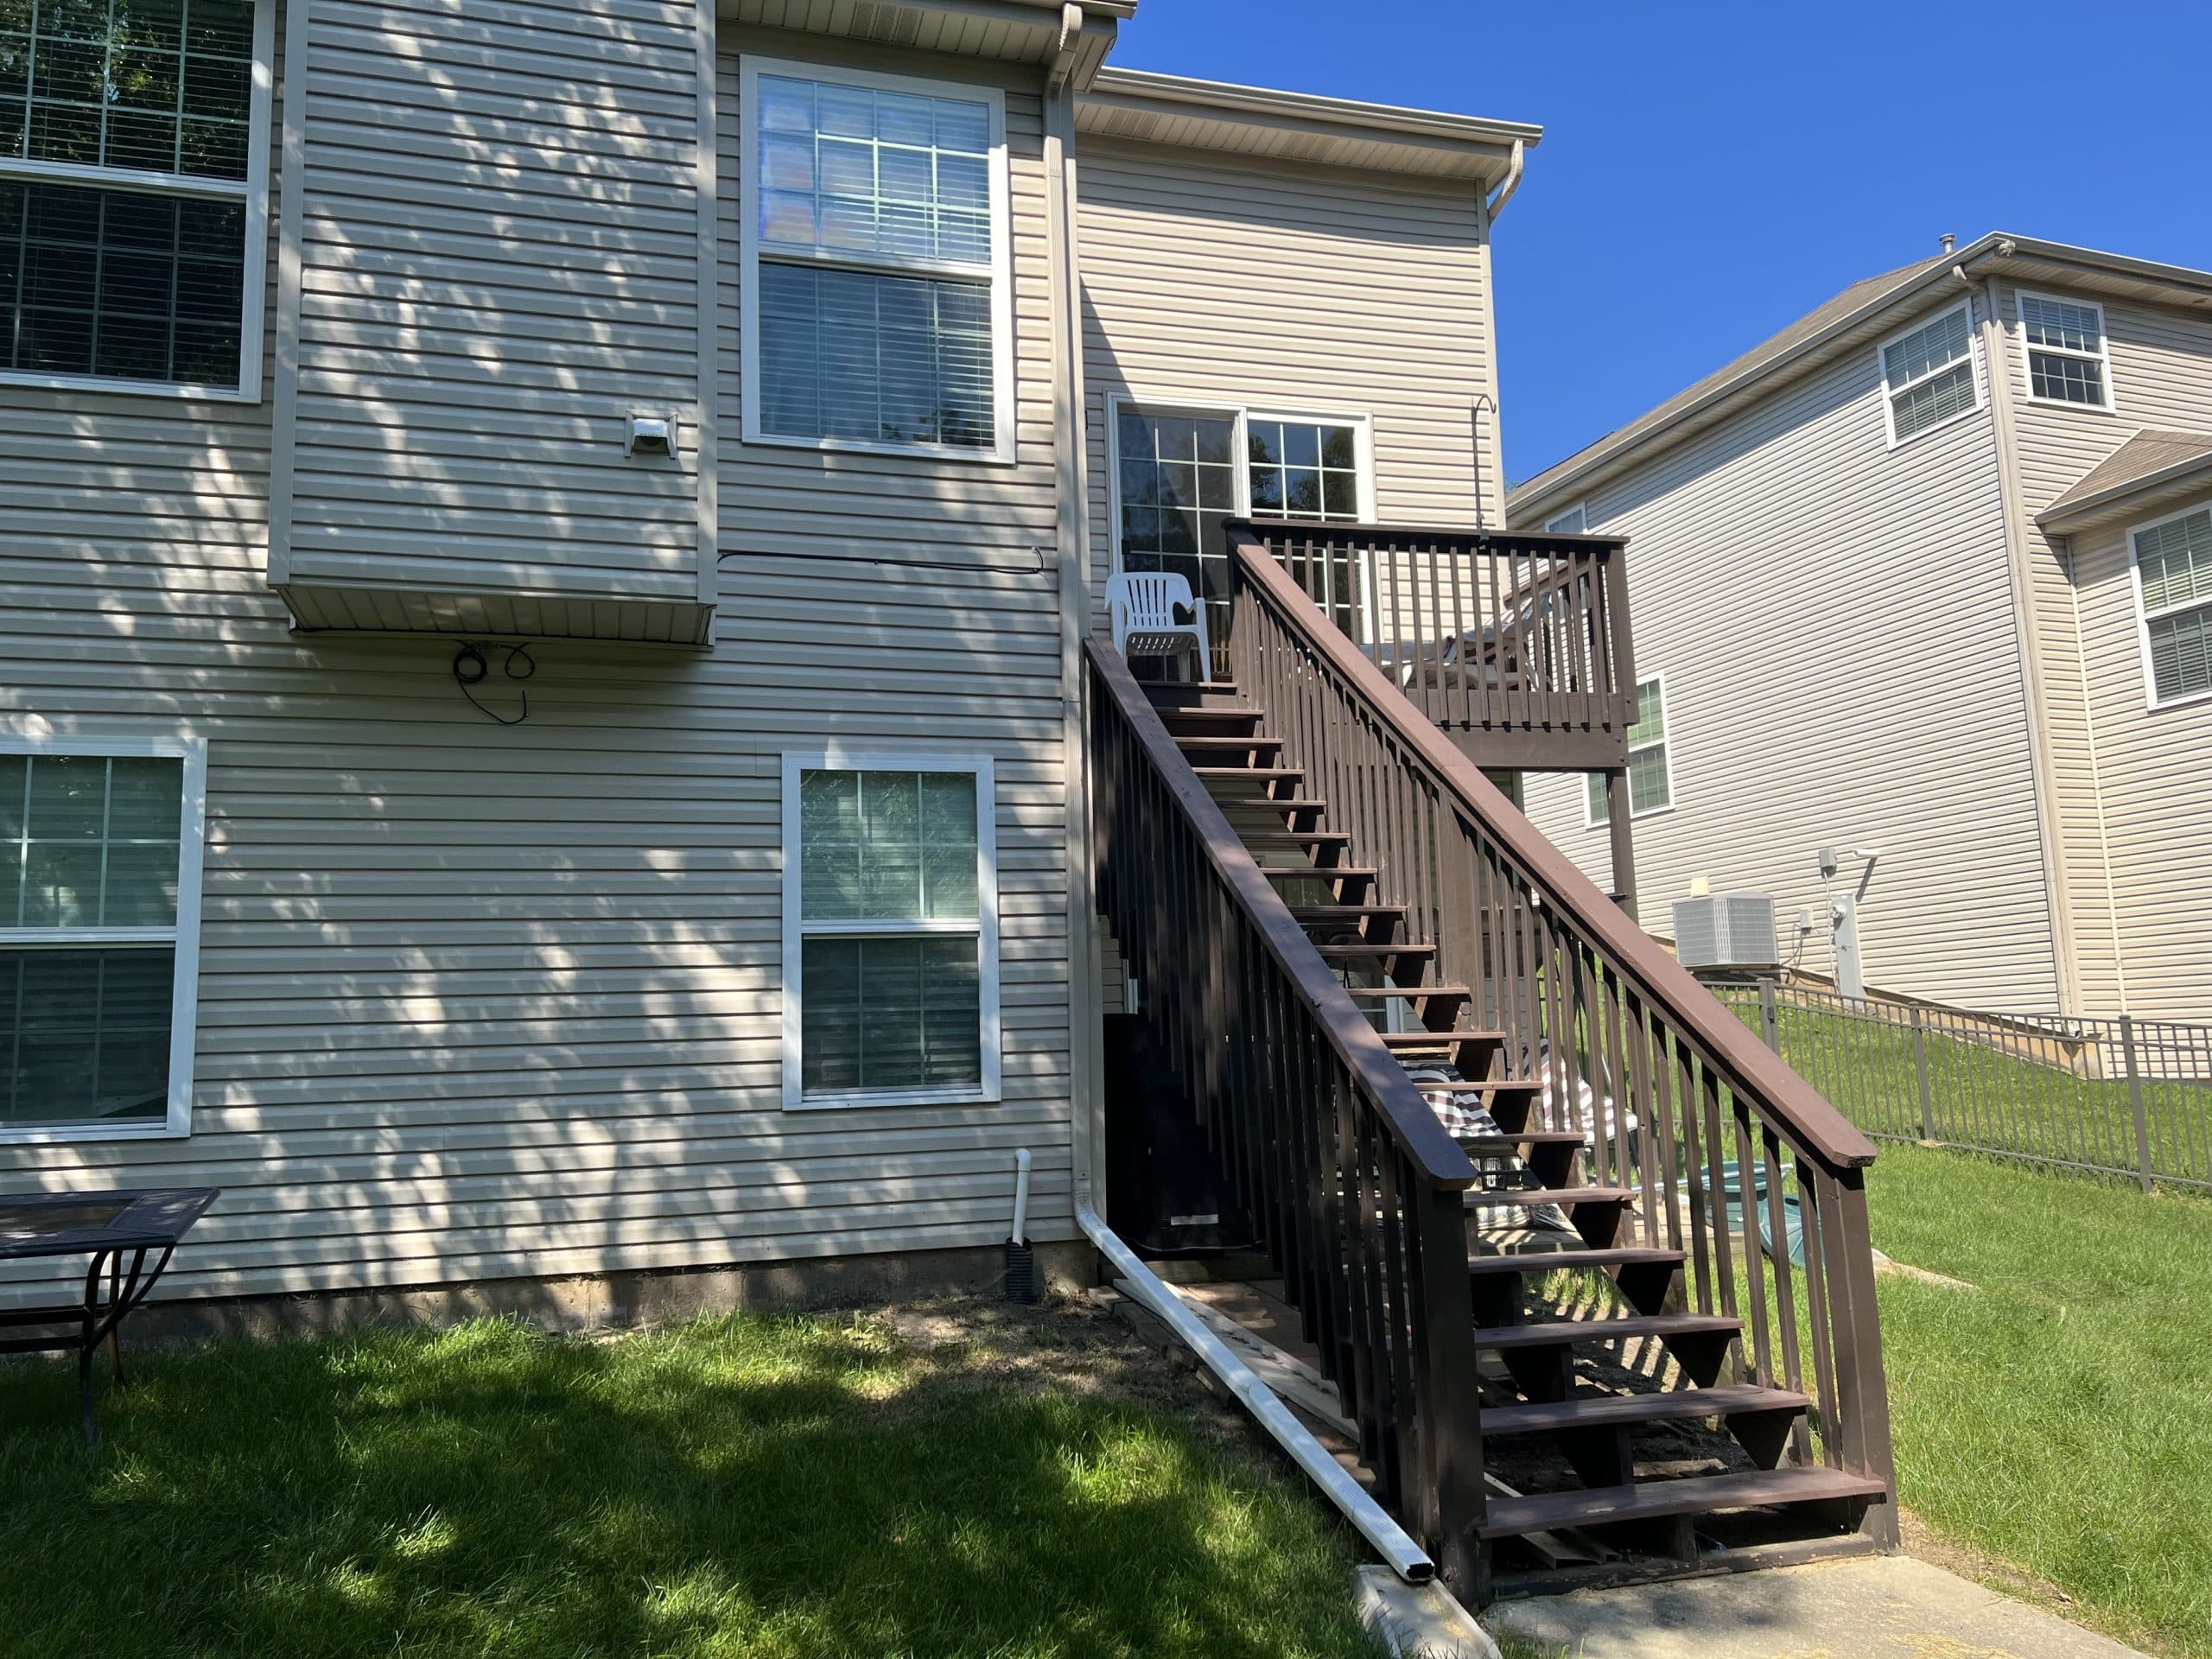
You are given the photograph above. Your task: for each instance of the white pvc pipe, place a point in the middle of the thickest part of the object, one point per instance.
(1399, 1552)
(1021, 1196)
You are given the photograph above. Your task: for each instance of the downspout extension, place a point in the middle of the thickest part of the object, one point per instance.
(1497, 203)
(1399, 1552)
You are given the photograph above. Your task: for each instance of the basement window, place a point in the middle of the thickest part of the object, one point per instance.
(877, 305)
(2066, 362)
(890, 966)
(1928, 377)
(99, 904)
(2173, 576)
(133, 214)
(1650, 776)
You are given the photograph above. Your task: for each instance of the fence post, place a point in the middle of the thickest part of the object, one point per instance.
(1769, 1016)
(1920, 1071)
(2135, 1101)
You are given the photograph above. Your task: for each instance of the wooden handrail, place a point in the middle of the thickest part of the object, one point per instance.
(1412, 1125)
(1814, 1126)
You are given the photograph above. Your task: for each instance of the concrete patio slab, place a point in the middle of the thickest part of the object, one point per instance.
(1881, 1608)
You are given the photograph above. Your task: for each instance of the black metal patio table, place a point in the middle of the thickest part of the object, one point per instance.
(107, 1226)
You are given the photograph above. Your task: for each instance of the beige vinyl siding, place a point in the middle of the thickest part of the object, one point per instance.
(479, 1000)
(1835, 628)
(2134, 784)
(499, 263)
(1209, 281)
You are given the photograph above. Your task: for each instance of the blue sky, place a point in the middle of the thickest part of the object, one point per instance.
(1711, 171)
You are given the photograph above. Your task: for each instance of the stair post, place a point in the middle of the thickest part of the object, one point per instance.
(1449, 1405)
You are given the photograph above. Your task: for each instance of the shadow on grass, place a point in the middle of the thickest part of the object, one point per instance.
(741, 1487)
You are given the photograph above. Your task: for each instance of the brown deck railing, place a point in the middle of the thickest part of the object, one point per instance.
(1355, 1185)
(1499, 633)
(1680, 1097)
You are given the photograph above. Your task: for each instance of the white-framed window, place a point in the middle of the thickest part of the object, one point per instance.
(1928, 374)
(877, 312)
(100, 930)
(2066, 362)
(134, 163)
(1575, 521)
(2173, 596)
(1178, 471)
(1651, 774)
(891, 930)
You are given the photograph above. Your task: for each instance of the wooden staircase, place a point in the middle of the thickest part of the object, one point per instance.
(1557, 1398)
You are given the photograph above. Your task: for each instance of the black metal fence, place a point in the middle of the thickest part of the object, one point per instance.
(2124, 1097)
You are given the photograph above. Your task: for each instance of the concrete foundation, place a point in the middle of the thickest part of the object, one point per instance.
(613, 1301)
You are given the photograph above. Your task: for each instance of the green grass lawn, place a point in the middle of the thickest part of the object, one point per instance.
(2060, 1417)
(739, 1487)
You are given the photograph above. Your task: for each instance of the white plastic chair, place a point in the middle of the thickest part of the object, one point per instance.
(1143, 607)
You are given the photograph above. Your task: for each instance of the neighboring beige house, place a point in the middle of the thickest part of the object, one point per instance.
(764, 371)
(1928, 575)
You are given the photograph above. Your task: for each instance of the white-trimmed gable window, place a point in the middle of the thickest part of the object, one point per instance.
(1575, 521)
(1927, 378)
(2065, 339)
(134, 138)
(2173, 577)
(1650, 776)
(877, 310)
(891, 967)
(99, 921)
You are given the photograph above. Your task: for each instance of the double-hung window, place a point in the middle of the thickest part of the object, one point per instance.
(1650, 779)
(99, 904)
(2066, 351)
(133, 139)
(876, 306)
(1575, 521)
(1927, 378)
(890, 931)
(2173, 572)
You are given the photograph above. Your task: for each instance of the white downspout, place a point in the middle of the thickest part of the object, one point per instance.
(1404, 1556)
(1497, 204)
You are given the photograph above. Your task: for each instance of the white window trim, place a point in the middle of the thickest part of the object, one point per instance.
(2102, 356)
(191, 828)
(253, 190)
(1550, 523)
(985, 926)
(1003, 451)
(1890, 393)
(1241, 415)
(2142, 613)
(1666, 747)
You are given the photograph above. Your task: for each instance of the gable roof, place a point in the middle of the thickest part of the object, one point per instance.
(1872, 307)
(2149, 464)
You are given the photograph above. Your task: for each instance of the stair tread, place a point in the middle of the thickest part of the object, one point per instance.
(1566, 1332)
(1502, 1145)
(1748, 1489)
(1297, 838)
(1439, 1039)
(1347, 913)
(1232, 743)
(1274, 803)
(1401, 991)
(1172, 689)
(1618, 1255)
(1247, 717)
(1606, 1410)
(1476, 1198)
(1354, 952)
(1483, 1086)
(1213, 774)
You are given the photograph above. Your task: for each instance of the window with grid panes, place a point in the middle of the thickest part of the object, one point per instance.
(2173, 567)
(126, 130)
(1651, 784)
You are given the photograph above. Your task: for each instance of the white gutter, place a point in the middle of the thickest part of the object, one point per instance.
(1512, 182)
(1399, 1552)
